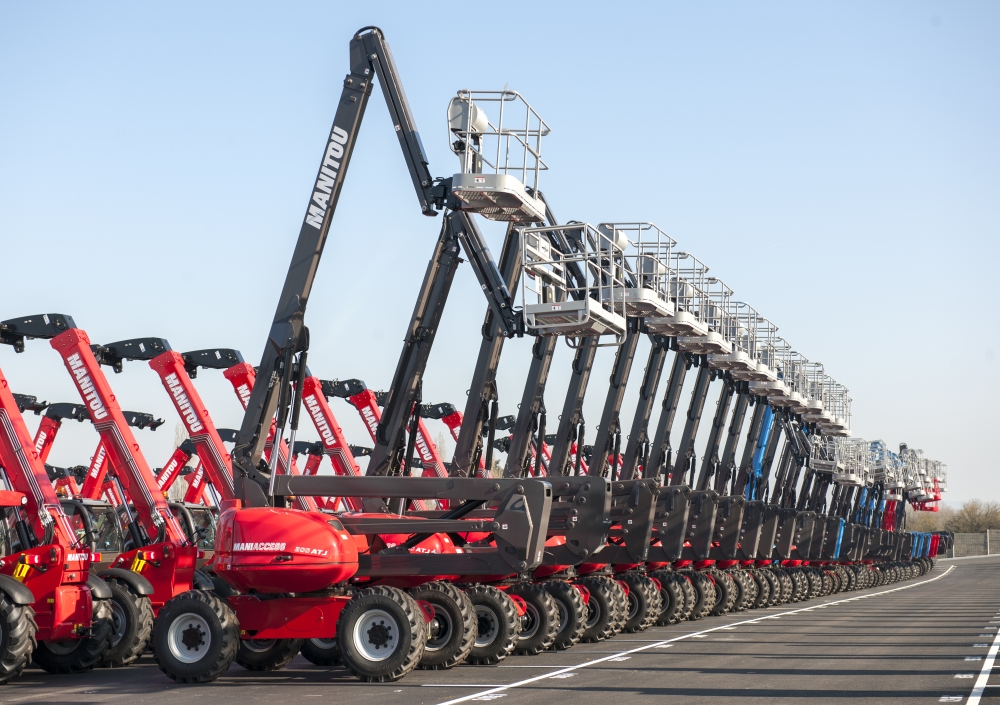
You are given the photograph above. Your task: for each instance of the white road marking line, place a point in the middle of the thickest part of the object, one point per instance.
(498, 690)
(984, 675)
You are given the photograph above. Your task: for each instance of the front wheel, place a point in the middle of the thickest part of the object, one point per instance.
(17, 637)
(197, 637)
(132, 625)
(381, 632)
(540, 623)
(79, 655)
(452, 630)
(497, 625)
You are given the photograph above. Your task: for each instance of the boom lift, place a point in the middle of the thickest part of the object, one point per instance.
(277, 552)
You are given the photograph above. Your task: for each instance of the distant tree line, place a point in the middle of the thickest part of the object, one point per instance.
(974, 517)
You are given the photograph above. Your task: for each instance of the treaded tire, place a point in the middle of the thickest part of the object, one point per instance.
(621, 608)
(725, 592)
(690, 595)
(497, 625)
(643, 602)
(814, 583)
(572, 613)
(79, 655)
(361, 626)
(132, 625)
(705, 597)
(765, 585)
(671, 597)
(451, 636)
(746, 590)
(540, 624)
(17, 637)
(601, 611)
(267, 654)
(321, 652)
(189, 617)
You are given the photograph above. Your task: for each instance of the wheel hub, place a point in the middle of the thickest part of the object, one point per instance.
(488, 626)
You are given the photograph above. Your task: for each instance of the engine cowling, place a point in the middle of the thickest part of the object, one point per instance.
(272, 550)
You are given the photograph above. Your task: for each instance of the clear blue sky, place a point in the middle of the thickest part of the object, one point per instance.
(836, 164)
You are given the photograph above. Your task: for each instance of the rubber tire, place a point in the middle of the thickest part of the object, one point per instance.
(462, 615)
(88, 651)
(690, 595)
(765, 586)
(603, 600)
(275, 657)
(569, 602)
(319, 654)
(671, 597)
(138, 632)
(410, 648)
(705, 597)
(541, 607)
(746, 590)
(503, 612)
(645, 599)
(621, 604)
(725, 592)
(17, 637)
(224, 630)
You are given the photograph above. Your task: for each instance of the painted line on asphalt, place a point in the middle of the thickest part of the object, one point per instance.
(485, 694)
(984, 675)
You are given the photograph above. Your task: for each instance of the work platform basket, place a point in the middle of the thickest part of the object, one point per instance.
(572, 283)
(498, 140)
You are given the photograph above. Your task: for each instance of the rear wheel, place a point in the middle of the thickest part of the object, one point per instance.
(671, 597)
(321, 652)
(705, 597)
(765, 585)
(572, 613)
(540, 623)
(601, 608)
(725, 592)
(79, 655)
(451, 633)
(497, 625)
(382, 634)
(17, 637)
(690, 595)
(131, 625)
(267, 654)
(643, 602)
(197, 637)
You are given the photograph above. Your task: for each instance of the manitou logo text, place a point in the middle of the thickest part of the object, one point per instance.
(98, 461)
(244, 392)
(327, 176)
(321, 425)
(189, 415)
(265, 546)
(40, 441)
(86, 386)
(370, 419)
(166, 473)
(78, 557)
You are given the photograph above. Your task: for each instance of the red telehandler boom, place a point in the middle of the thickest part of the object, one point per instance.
(46, 590)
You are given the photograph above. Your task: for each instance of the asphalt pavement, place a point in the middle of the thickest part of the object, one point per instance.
(932, 639)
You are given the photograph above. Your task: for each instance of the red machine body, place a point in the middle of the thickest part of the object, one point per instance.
(56, 572)
(275, 550)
